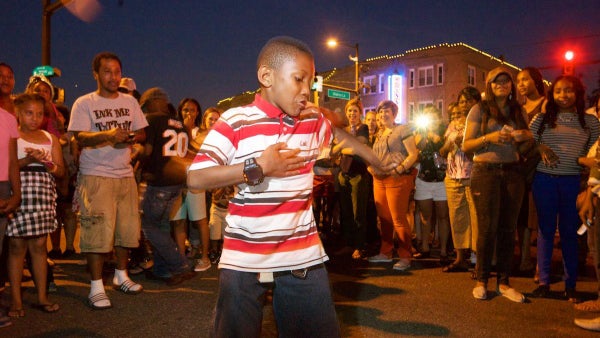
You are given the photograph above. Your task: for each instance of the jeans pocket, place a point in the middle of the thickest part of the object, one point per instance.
(157, 204)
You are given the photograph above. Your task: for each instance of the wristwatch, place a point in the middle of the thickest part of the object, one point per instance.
(253, 174)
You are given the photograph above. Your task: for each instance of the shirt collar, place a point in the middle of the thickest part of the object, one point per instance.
(267, 107)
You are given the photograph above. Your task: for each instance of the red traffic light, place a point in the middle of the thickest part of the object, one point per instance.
(569, 55)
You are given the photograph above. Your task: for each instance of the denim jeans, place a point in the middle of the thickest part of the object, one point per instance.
(157, 207)
(555, 198)
(302, 307)
(497, 194)
(354, 194)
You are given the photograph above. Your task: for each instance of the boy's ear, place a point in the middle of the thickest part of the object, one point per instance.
(265, 76)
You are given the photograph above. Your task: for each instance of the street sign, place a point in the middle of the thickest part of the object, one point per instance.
(338, 94)
(44, 70)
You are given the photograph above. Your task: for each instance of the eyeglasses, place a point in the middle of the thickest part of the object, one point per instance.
(501, 81)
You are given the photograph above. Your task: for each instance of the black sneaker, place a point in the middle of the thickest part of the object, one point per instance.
(214, 256)
(55, 254)
(68, 253)
(571, 295)
(542, 291)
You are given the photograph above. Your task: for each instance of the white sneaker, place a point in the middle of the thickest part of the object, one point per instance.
(402, 265)
(202, 265)
(588, 324)
(480, 292)
(473, 258)
(512, 294)
(380, 258)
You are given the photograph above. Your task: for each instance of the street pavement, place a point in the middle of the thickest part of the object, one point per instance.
(372, 300)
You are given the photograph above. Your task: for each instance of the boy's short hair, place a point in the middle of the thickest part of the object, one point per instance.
(104, 55)
(280, 49)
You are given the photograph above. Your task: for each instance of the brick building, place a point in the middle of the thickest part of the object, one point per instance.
(413, 79)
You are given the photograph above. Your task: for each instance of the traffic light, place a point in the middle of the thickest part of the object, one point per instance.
(568, 64)
(318, 83)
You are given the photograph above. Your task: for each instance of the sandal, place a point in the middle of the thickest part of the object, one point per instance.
(16, 313)
(455, 267)
(95, 300)
(5, 321)
(129, 287)
(48, 308)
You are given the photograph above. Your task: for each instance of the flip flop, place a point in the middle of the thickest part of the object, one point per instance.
(97, 298)
(16, 313)
(5, 321)
(48, 308)
(127, 287)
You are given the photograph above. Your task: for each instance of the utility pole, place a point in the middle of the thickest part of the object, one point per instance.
(48, 8)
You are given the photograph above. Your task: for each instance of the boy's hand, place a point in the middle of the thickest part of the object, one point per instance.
(279, 161)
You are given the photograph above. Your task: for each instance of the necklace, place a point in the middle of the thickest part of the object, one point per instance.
(566, 117)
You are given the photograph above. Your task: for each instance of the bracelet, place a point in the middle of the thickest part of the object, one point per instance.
(403, 169)
(486, 143)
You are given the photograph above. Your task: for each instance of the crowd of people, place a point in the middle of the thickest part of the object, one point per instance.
(115, 165)
(511, 161)
(171, 190)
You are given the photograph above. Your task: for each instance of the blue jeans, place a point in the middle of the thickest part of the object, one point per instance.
(555, 198)
(157, 207)
(497, 195)
(302, 307)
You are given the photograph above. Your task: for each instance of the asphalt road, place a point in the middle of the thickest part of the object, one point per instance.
(372, 300)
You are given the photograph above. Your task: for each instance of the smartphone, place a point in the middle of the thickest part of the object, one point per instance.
(507, 129)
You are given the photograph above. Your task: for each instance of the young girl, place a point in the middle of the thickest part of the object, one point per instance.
(40, 160)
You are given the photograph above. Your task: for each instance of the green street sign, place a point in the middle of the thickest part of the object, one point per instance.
(44, 70)
(338, 94)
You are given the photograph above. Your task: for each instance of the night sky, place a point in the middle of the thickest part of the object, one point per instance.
(207, 49)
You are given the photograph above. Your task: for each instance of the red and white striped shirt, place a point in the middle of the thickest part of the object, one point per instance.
(270, 226)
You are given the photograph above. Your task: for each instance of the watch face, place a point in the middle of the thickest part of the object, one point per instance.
(253, 173)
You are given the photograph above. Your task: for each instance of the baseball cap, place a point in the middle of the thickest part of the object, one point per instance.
(127, 83)
(153, 94)
(494, 73)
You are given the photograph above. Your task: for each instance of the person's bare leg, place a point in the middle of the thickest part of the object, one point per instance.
(37, 250)
(425, 211)
(204, 236)
(16, 256)
(441, 213)
(180, 233)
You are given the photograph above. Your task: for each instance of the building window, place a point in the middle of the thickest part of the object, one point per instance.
(381, 83)
(411, 79)
(440, 74)
(370, 85)
(411, 111)
(425, 76)
(423, 104)
(471, 75)
(440, 105)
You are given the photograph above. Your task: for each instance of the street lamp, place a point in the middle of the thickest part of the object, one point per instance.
(332, 43)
